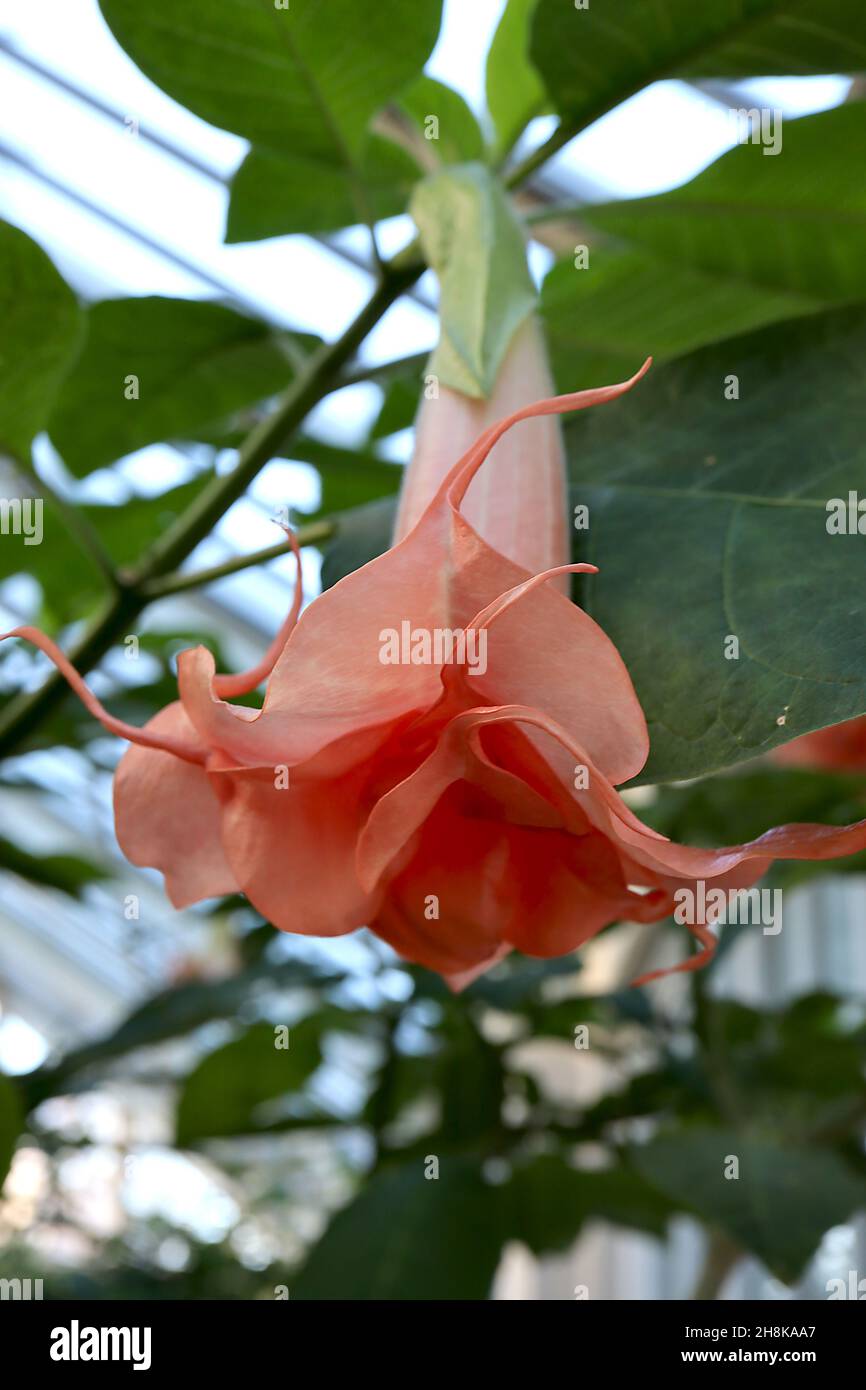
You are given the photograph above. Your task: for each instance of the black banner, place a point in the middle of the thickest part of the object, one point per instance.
(83, 1339)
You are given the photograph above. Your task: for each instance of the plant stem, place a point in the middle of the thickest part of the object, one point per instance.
(561, 136)
(178, 583)
(266, 438)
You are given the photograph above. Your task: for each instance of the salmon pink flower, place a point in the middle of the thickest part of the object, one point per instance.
(442, 733)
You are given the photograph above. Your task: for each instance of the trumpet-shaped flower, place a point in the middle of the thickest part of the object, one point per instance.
(442, 733)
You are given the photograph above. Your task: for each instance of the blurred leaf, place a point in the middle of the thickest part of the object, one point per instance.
(40, 332)
(65, 872)
(559, 1018)
(675, 464)
(517, 981)
(408, 1237)
(677, 1087)
(362, 534)
(473, 242)
(69, 577)
(278, 194)
(400, 406)
(779, 1207)
(548, 1202)
(790, 1068)
(305, 79)
(458, 136)
(222, 1095)
(195, 363)
(173, 1013)
(515, 92)
(791, 225)
(592, 59)
(471, 1081)
(11, 1121)
(349, 477)
(602, 321)
(403, 1079)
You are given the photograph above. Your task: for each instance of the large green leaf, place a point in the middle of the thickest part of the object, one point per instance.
(793, 225)
(708, 519)
(225, 1092)
(277, 194)
(515, 92)
(407, 1236)
(602, 320)
(595, 57)
(473, 242)
(40, 332)
(301, 82)
(195, 363)
(779, 1206)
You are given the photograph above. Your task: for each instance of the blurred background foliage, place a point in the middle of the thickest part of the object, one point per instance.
(407, 1138)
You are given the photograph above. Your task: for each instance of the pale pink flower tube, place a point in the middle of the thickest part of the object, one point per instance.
(517, 502)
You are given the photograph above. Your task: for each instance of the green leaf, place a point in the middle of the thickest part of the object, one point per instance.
(126, 530)
(11, 1123)
(304, 79)
(458, 136)
(65, 872)
(515, 92)
(40, 332)
(69, 578)
(591, 59)
(399, 407)
(173, 1013)
(223, 1094)
(779, 1207)
(349, 478)
(548, 1202)
(788, 225)
(362, 534)
(195, 363)
(409, 1237)
(277, 194)
(473, 242)
(707, 518)
(602, 321)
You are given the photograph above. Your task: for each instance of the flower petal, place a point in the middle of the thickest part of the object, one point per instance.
(291, 848)
(167, 817)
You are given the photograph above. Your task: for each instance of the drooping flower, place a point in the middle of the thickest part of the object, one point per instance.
(442, 733)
